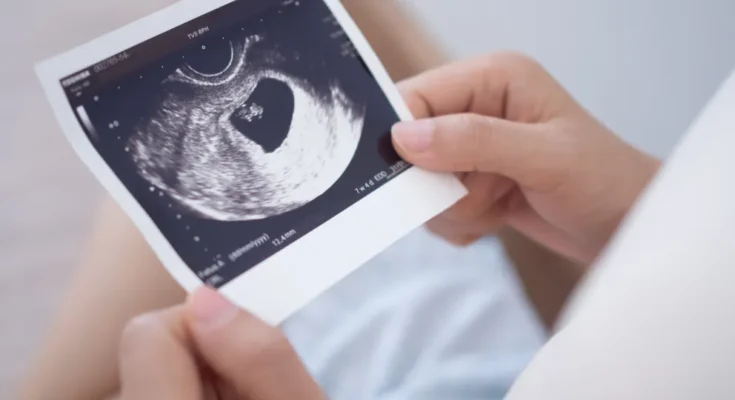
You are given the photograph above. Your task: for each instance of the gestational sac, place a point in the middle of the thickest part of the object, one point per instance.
(247, 142)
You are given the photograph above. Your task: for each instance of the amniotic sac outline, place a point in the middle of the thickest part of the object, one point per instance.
(241, 131)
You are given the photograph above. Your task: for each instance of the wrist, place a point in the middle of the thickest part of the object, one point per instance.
(640, 171)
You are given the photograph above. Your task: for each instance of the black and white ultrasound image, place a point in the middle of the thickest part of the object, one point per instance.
(249, 137)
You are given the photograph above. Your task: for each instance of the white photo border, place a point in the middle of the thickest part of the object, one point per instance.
(280, 285)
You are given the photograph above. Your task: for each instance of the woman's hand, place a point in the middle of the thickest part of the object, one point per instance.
(531, 157)
(209, 349)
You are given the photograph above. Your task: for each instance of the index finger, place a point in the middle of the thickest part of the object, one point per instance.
(454, 88)
(501, 85)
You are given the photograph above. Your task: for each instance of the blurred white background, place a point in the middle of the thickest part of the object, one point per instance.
(645, 67)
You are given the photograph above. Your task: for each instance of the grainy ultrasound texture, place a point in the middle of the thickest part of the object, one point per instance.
(248, 142)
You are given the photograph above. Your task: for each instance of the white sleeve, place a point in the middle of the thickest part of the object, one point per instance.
(656, 319)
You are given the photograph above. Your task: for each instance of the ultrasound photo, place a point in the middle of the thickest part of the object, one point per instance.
(250, 141)
(240, 131)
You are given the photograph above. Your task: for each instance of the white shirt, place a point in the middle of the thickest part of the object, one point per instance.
(656, 320)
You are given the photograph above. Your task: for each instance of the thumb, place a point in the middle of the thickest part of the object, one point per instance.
(255, 359)
(472, 142)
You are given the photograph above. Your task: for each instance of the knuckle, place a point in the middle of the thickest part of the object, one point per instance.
(438, 227)
(268, 346)
(447, 229)
(492, 221)
(446, 237)
(473, 128)
(457, 137)
(467, 122)
(465, 240)
(413, 100)
(523, 59)
(480, 137)
(467, 146)
(513, 66)
(461, 213)
(137, 332)
(518, 61)
(469, 208)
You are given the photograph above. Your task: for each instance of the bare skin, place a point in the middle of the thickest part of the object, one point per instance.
(532, 158)
(120, 277)
(209, 349)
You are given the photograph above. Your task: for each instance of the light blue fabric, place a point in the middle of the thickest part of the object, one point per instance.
(423, 320)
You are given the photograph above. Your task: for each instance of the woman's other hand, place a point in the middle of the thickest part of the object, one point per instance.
(210, 349)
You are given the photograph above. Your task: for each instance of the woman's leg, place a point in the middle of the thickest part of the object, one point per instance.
(118, 278)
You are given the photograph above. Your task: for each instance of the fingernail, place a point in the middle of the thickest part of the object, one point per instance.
(211, 309)
(415, 136)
